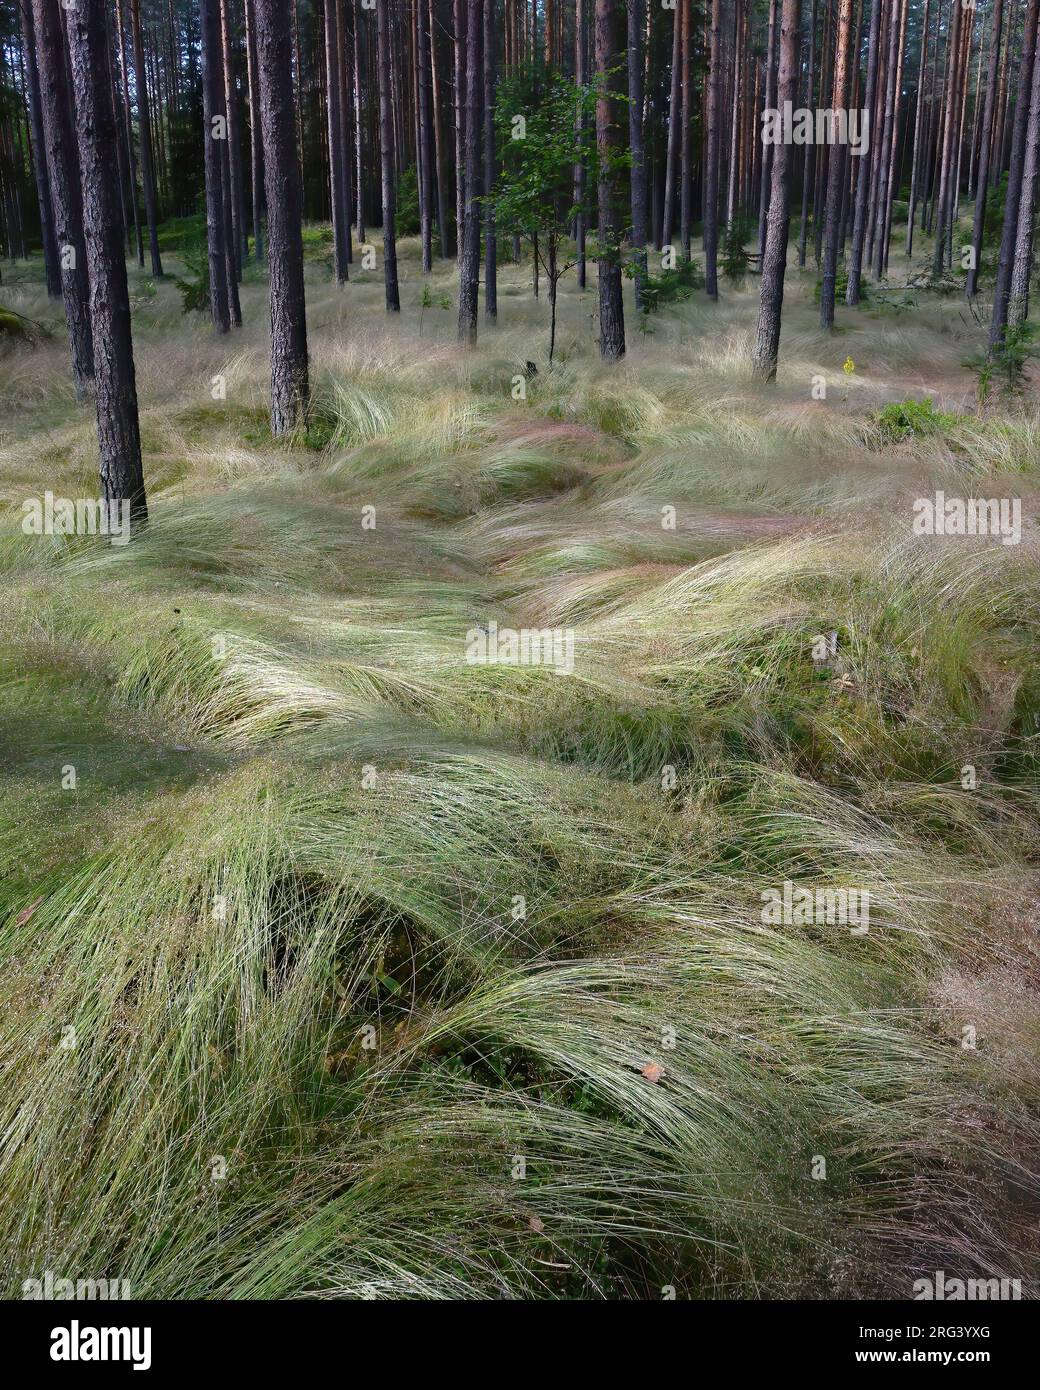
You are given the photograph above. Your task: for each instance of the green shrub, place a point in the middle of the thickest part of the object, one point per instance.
(735, 259)
(901, 419)
(841, 287)
(408, 203)
(672, 286)
(194, 286)
(1005, 366)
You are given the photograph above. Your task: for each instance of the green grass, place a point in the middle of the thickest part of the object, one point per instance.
(302, 824)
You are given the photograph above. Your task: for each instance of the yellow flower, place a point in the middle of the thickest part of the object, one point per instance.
(848, 366)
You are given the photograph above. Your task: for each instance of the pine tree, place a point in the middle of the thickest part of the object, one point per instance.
(289, 368)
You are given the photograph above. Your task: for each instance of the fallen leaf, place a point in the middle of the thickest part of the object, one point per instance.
(27, 912)
(653, 1071)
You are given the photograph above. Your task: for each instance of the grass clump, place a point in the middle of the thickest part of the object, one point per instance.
(393, 974)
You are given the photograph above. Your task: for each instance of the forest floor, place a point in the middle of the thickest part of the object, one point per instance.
(332, 963)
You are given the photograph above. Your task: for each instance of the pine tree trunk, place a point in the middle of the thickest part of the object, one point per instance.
(877, 234)
(835, 168)
(424, 36)
(734, 129)
(685, 172)
(119, 438)
(212, 103)
(459, 106)
(43, 183)
(131, 157)
(765, 189)
(337, 192)
(1018, 303)
(345, 108)
(469, 265)
(289, 372)
(774, 260)
(672, 150)
(711, 175)
(985, 146)
(256, 157)
(637, 146)
(490, 240)
(438, 140)
(580, 78)
(122, 159)
(948, 139)
(859, 223)
(915, 163)
(1009, 237)
(810, 150)
(144, 120)
(611, 302)
(386, 153)
(891, 181)
(359, 181)
(66, 193)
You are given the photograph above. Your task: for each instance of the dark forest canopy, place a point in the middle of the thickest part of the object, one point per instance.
(653, 126)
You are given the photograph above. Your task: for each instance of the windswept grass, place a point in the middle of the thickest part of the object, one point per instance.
(334, 965)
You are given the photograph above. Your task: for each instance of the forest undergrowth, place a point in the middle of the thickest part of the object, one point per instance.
(333, 964)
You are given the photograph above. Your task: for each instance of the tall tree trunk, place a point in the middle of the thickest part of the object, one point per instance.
(212, 110)
(119, 437)
(386, 153)
(289, 371)
(711, 175)
(774, 260)
(877, 235)
(949, 135)
(765, 190)
(636, 145)
(239, 246)
(1009, 237)
(835, 168)
(859, 221)
(915, 164)
(337, 192)
(438, 140)
(66, 193)
(131, 157)
(51, 263)
(359, 182)
(424, 37)
(982, 173)
(685, 172)
(580, 78)
(674, 122)
(459, 12)
(490, 241)
(611, 302)
(256, 157)
(1018, 303)
(734, 129)
(346, 77)
(892, 177)
(144, 123)
(810, 150)
(469, 265)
